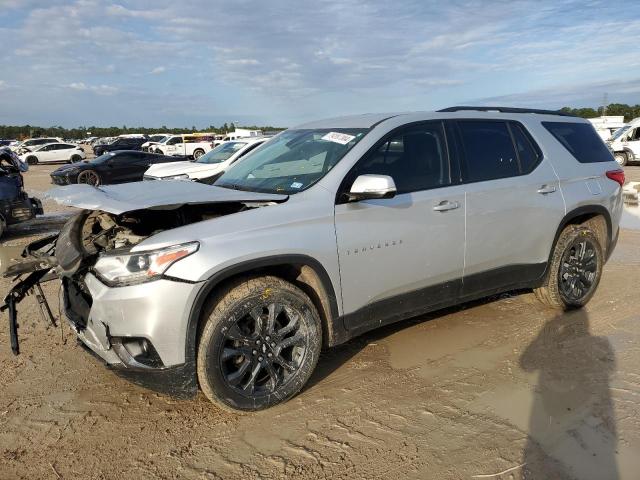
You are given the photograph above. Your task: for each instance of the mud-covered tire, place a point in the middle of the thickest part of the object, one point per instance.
(621, 158)
(556, 291)
(32, 160)
(251, 330)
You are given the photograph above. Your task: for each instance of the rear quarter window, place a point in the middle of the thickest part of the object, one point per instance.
(581, 140)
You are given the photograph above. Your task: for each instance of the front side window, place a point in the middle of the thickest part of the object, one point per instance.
(416, 159)
(581, 140)
(292, 161)
(221, 152)
(488, 150)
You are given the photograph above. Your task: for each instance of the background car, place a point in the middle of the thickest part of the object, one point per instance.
(120, 143)
(15, 204)
(32, 143)
(153, 140)
(54, 152)
(112, 167)
(209, 166)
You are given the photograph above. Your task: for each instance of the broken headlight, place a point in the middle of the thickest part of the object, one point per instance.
(132, 268)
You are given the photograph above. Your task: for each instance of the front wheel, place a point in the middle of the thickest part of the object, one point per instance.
(89, 177)
(575, 269)
(75, 158)
(259, 345)
(32, 160)
(621, 158)
(198, 153)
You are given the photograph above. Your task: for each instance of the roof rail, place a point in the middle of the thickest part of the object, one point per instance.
(507, 110)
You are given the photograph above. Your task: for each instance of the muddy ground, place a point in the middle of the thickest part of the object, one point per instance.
(494, 386)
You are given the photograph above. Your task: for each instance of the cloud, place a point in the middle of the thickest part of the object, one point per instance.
(97, 89)
(317, 59)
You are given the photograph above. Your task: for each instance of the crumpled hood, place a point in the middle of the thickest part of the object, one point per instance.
(181, 168)
(170, 194)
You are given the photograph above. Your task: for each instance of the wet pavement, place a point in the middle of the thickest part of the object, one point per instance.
(501, 388)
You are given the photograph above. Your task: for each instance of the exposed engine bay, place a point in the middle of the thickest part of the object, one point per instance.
(83, 240)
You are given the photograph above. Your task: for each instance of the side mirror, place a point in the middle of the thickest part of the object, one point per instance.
(367, 187)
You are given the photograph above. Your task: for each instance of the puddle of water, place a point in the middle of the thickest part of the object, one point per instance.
(630, 217)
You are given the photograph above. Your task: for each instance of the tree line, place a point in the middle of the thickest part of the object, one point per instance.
(20, 132)
(26, 131)
(628, 111)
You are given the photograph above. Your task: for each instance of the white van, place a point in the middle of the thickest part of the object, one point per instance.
(625, 143)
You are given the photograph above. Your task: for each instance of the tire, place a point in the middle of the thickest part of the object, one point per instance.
(198, 153)
(243, 363)
(3, 226)
(75, 158)
(90, 177)
(32, 160)
(575, 269)
(621, 158)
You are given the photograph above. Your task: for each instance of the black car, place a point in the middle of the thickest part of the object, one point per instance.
(120, 143)
(112, 167)
(15, 205)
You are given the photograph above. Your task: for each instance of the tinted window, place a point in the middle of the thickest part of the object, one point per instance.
(488, 150)
(415, 158)
(122, 159)
(527, 153)
(581, 140)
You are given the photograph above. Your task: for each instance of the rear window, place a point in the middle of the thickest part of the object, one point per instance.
(581, 140)
(488, 150)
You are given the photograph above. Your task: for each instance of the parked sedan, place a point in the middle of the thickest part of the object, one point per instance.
(113, 167)
(120, 143)
(54, 152)
(208, 167)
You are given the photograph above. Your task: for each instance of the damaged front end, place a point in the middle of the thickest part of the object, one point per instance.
(92, 258)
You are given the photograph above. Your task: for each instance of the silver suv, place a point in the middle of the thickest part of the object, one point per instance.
(329, 230)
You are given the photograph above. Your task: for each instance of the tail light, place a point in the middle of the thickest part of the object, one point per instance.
(616, 176)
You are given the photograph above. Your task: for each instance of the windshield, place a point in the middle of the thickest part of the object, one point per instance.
(619, 132)
(292, 161)
(221, 152)
(102, 158)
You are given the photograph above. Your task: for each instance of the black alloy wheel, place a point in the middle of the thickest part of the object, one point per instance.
(263, 349)
(259, 344)
(89, 177)
(578, 270)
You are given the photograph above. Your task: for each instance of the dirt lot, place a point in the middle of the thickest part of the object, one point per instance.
(495, 386)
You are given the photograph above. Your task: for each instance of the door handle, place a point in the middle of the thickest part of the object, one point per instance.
(544, 189)
(446, 205)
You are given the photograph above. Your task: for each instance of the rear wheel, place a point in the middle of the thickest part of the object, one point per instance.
(32, 160)
(575, 269)
(90, 177)
(621, 158)
(259, 344)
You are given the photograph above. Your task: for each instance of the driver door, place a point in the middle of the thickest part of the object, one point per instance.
(400, 255)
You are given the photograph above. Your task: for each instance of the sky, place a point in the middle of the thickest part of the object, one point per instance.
(202, 62)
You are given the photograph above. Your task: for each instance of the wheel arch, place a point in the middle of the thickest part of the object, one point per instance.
(595, 215)
(305, 272)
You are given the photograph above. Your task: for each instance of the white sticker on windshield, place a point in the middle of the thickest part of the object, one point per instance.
(337, 137)
(296, 185)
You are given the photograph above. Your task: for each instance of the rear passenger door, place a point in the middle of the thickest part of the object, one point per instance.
(514, 204)
(399, 254)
